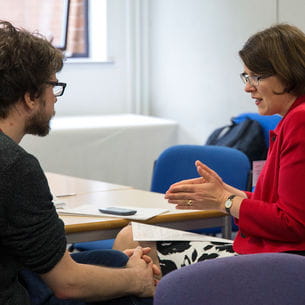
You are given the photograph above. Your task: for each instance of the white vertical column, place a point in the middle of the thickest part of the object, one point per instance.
(137, 34)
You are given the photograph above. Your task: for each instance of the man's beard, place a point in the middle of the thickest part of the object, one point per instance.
(39, 123)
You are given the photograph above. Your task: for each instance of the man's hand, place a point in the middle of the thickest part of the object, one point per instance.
(156, 270)
(143, 278)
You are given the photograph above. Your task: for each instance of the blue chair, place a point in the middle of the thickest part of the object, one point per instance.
(92, 245)
(254, 279)
(177, 163)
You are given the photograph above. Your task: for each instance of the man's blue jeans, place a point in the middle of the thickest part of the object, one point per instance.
(40, 294)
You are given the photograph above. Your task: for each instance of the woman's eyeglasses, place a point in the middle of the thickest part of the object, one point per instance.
(253, 80)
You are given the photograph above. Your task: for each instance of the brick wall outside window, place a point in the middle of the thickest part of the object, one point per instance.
(48, 17)
(77, 35)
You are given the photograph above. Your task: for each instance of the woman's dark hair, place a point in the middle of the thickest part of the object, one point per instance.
(27, 61)
(278, 50)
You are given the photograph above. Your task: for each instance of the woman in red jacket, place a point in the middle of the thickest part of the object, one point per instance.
(272, 218)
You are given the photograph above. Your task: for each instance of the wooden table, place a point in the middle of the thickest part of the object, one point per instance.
(85, 228)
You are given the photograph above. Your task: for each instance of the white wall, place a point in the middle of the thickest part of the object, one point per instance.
(189, 54)
(194, 60)
(292, 11)
(177, 56)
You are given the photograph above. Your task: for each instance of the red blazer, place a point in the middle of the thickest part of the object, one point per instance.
(272, 219)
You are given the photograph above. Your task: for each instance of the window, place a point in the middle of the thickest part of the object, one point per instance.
(77, 38)
(67, 23)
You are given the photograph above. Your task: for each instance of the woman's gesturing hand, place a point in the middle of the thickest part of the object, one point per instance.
(207, 192)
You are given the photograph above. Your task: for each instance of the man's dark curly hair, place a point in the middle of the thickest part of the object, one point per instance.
(27, 61)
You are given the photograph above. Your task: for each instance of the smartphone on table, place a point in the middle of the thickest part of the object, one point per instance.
(118, 211)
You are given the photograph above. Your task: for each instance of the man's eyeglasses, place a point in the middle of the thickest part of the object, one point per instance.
(253, 80)
(58, 88)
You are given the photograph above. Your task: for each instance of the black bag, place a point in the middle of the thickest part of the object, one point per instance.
(246, 136)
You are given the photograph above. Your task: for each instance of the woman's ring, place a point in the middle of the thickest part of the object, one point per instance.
(189, 202)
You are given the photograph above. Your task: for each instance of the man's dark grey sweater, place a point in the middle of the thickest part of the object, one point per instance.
(31, 234)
